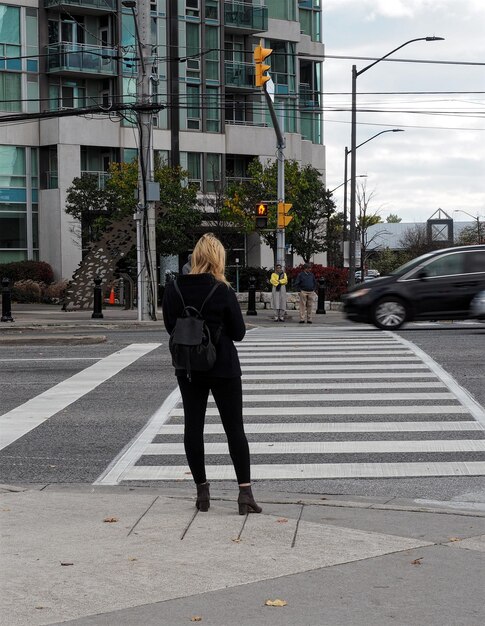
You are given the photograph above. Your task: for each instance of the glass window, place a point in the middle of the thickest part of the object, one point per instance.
(130, 154)
(475, 261)
(12, 166)
(446, 265)
(213, 171)
(191, 162)
(281, 9)
(10, 92)
(193, 49)
(13, 230)
(193, 107)
(9, 24)
(212, 58)
(213, 109)
(32, 93)
(212, 9)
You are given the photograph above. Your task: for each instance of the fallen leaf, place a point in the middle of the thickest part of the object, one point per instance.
(417, 561)
(132, 558)
(5, 509)
(39, 607)
(236, 540)
(282, 520)
(110, 520)
(65, 564)
(276, 603)
(454, 539)
(196, 618)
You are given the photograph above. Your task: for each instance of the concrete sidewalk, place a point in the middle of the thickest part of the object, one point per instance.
(128, 557)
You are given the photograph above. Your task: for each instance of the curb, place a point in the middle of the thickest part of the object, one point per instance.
(60, 340)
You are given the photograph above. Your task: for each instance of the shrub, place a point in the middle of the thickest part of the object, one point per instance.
(260, 273)
(54, 293)
(335, 279)
(27, 291)
(38, 271)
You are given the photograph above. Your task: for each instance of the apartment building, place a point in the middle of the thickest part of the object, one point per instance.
(57, 55)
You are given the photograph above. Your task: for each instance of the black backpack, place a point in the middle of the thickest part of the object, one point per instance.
(190, 343)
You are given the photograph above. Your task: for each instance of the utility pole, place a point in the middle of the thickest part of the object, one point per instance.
(147, 190)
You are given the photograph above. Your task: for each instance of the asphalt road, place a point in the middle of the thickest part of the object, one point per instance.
(78, 443)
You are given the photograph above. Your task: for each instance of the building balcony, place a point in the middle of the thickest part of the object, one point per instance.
(309, 99)
(82, 7)
(100, 177)
(74, 59)
(243, 16)
(238, 75)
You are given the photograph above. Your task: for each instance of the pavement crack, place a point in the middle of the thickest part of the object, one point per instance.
(293, 543)
(186, 529)
(141, 517)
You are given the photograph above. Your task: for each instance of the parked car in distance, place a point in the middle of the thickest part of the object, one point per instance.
(477, 308)
(437, 285)
(369, 275)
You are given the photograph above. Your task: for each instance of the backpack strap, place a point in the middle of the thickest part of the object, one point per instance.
(209, 295)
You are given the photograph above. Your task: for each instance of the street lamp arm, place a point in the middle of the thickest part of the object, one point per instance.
(367, 67)
(391, 130)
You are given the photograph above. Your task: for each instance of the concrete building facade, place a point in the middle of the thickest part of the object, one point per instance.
(57, 55)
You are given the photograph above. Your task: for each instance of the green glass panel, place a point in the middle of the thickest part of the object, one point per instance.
(9, 24)
(10, 92)
(12, 161)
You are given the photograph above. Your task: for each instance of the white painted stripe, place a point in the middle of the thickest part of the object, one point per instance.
(313, 470)
(342, 397)
(34, 412)
(333, 427)
(302, 346)
(330, 447)
(132, 452)
(330, 359)
(344, 366)
(291, 386)
(65, 358)
(344, 410)
(296, 354)
(289, 375)
(461, 394)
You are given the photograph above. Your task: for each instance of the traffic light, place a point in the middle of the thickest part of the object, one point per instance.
(260, 55)
(262, 215)
(283, 218)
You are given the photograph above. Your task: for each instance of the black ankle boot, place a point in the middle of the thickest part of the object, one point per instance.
(246, 502)
(203, 498)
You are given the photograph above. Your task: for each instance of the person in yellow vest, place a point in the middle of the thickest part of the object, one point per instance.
(279, 279)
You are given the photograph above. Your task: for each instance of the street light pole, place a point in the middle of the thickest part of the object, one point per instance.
(145, 216)
(353, 148)
(475, 217)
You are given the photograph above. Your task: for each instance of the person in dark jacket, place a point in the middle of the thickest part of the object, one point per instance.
(223, 316)
(306, 283)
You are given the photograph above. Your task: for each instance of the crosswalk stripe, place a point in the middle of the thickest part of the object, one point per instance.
(312, 471)
(333, 427)
(330, 447)
(342, 397)
(333, 385)
(329, 359)
(339, 375)
(332, 366)
(298, 354)
(343, 410)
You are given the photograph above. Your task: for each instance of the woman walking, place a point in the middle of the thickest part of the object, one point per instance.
(224, 319)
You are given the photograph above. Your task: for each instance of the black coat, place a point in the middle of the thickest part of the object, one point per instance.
(222, 311)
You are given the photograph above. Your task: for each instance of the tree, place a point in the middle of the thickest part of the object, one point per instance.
(415, 242)
(178, 214)
(471, 235)
(304, 189)
(367, 218)
(88, 204)
(387, 260)
(392, 218)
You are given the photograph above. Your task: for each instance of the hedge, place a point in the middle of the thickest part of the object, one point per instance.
(38, 271)
(336, 279)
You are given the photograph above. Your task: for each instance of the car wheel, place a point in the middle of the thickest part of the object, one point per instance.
(389, 314)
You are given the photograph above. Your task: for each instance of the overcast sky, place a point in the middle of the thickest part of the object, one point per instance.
(439, 161)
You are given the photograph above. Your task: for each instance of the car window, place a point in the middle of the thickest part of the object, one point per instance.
(475, 261)
(447, 265)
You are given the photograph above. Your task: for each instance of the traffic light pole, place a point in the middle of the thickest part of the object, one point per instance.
(280, 155)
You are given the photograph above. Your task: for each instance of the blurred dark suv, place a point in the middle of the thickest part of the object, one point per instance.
(437, 285)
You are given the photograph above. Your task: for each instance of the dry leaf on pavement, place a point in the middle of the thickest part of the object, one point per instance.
(454, 539)
(236, 540)
(417, 561)
(276, 603)
(196, 618)
(66, 564)
(282, 520)
(110, 520)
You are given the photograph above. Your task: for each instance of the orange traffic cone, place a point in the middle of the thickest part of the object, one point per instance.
(112, 296)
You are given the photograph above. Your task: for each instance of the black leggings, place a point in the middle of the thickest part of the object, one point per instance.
(227, 393)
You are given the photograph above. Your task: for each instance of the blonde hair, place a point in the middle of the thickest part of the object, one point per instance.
(209, 257)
